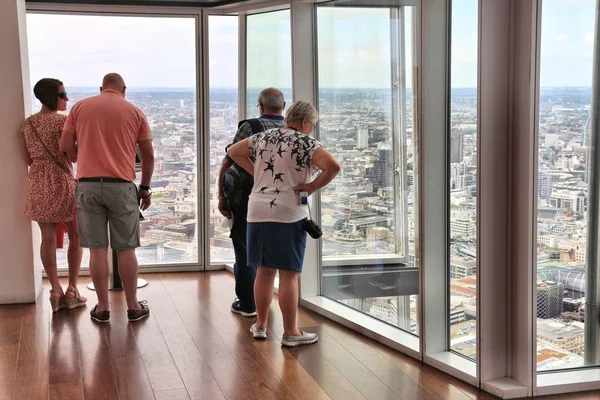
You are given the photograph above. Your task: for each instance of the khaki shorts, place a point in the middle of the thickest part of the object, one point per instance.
(108, 203)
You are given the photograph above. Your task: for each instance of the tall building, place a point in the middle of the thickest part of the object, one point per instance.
(458, 176)
(456, 145)
(544, 184)
(382, 173)
(362, 137)
(550, 296)
(585, 140)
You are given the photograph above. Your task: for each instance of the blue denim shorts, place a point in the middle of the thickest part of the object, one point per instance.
(276, 245)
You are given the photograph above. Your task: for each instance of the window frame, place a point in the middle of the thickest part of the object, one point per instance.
(398, 136)
(202, 237)
(585, 377)
(244, 113)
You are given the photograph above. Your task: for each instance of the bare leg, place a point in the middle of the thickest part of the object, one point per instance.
(48, 255)
(99, 271)
(74, 299)
(74, 253)
(263, 294)
(288, 301)
(128, 268)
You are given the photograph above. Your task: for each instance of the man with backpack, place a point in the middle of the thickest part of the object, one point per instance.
(235, 185)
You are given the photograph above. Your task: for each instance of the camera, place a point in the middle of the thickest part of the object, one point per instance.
(313, 229)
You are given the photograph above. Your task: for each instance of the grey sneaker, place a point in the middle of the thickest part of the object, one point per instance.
(257, 332)
(293, 341)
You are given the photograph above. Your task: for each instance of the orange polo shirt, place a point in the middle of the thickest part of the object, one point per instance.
(107, 128)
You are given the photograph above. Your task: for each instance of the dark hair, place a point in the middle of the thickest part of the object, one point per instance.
(46, 91)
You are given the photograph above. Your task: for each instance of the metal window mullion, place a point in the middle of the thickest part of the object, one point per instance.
(202, 141)
(398, 69)
(242, 65)
(398, 85)
(592, 329)
(304, 87)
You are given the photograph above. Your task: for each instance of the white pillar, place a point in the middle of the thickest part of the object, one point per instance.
(304, 87)
(20, 269)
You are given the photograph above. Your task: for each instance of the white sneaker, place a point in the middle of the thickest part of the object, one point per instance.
(258, 332)
(293, 341)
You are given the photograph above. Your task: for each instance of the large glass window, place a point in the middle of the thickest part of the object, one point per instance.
(223, 92)
(157, 58)
(562, 178)
(365, 61)
(268, 56)
(462, 175)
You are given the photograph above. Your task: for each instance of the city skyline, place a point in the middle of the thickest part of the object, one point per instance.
(130, 45)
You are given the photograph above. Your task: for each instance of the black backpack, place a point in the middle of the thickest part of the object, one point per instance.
(237, 182)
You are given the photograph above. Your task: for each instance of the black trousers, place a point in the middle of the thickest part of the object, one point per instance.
(244, 274)
(237, 190)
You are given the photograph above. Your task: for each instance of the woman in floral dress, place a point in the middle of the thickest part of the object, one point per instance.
(51, 192)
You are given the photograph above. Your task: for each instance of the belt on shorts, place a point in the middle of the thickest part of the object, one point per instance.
(104, 179)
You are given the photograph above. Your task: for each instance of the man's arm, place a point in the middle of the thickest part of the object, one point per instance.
(223, 206)
(244, 131)
(147, 155)
(240, 153)
(68, 140)
(67, 145)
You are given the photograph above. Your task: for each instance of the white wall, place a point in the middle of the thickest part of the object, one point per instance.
(20, 270)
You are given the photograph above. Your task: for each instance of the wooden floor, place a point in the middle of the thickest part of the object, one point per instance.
(193, 347)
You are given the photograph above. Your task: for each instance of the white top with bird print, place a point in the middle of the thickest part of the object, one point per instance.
(282, 160)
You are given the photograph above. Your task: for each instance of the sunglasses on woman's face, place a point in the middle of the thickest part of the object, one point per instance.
(62, 95)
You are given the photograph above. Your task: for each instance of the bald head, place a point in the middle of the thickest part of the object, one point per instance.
(113, 81)
(271, 101)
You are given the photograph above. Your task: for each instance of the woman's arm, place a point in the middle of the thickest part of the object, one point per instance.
(240, 153)
(329, 167)
(24, 152)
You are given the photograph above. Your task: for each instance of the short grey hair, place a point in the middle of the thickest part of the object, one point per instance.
(300, 111)
(271, 99)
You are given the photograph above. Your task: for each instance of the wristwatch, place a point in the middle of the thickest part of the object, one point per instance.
(142, 187)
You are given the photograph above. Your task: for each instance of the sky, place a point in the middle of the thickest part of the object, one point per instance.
(567, 42)
(353, 47)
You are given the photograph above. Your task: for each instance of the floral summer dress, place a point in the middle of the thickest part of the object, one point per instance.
(51, 193)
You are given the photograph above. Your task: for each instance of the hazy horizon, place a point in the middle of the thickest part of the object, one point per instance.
(178, 88)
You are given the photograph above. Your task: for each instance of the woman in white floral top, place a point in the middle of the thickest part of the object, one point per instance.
(282, 161)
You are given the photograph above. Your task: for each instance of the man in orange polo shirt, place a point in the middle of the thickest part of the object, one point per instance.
(103, 132)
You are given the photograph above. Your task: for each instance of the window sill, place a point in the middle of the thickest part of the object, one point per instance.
(364, 324)
(505, 388)
(577, 380)
(149, 269)
(455, 365)
(363, 259)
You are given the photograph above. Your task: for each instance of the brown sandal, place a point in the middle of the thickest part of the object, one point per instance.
(74, 299)
(57, 301)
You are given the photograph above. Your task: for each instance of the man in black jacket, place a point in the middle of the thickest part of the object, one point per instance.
(235, 185)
